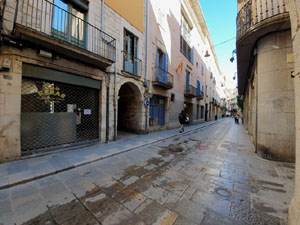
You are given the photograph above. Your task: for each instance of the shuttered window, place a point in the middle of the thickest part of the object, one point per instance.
(161, 66)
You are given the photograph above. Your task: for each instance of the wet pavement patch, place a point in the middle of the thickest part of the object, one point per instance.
(201, 147)
(223, 192)
(174, 148)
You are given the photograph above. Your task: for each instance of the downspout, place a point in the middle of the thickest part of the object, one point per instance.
(115, 97)
(146, 62)
(107, 81)
(107, 107)
(115, 89)
(102, 15)
(256, 103)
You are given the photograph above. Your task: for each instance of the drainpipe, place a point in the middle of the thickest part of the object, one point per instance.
(256, 103)
(107, 106)
(107, 81)
(115, 97)
(102, 15)
(146, 61)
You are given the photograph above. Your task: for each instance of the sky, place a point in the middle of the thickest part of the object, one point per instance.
(220, 16)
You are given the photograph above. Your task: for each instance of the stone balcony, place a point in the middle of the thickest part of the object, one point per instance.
(163, 79)
(47, 26)
(254, 20)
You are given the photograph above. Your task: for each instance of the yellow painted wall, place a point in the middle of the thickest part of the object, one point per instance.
(131, 10)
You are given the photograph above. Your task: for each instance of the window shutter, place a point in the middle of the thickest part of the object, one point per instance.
(192, 55)
(166, 67)
(157, 64)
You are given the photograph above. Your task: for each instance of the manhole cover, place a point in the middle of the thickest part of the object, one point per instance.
(201, 147)
(223, 192)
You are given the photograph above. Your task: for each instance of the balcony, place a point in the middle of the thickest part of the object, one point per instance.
(163, 78)
(213, 101)
(132, 65)
(48, 26)
(255, 12)
(200, 95)
(190, 91)
(254, 20)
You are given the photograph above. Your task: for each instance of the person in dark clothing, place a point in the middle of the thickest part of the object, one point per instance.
(182, 121)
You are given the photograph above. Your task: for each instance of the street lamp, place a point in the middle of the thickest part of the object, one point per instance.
(232, 58)
(234, 76)
(206, 54)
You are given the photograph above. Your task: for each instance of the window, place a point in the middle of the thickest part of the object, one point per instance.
(172, 97)
(185, 40)
(202, 70)
(187, 80)
(161, 66)
(186, 50)
(202, 111)
(68, 23)
(198, 87)
(131, 62)
(185, 30)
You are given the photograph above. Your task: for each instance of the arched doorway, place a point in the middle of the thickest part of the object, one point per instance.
(129, 108)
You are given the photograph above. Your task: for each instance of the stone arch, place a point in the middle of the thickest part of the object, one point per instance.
(129, 108)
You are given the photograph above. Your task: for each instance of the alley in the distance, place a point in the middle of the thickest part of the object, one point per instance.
(210, 175)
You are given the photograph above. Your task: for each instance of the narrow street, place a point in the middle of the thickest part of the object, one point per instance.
(206, 176)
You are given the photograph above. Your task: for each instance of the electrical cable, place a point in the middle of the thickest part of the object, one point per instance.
(224, 42)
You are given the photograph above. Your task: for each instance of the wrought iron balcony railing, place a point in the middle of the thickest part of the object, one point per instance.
(47, 18)
(190, 91)
(132, 64)
(200, 94)
(256, 11)
(163, 78)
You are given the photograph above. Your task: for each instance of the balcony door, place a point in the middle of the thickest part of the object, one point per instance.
(187, 80)
(198, 87)
(68, 23)
(161, 66)
(130, 53)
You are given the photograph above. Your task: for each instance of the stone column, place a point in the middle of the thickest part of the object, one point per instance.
(276, 97)
(294, 9)
(10, 108)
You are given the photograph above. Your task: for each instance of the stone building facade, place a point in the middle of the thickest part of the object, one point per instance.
(181, 77)
(63, 79)
(53, 75)
(265, 64)
(286, 39)
(77, 72)
(294, 10)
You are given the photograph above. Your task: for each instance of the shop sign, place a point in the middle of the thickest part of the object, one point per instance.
(51, 94)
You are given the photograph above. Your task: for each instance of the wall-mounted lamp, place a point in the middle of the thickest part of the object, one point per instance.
(292, 74)
(232, 58)
(207, 54)
(234, 76)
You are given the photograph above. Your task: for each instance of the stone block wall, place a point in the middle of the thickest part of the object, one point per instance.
(10, 108)
(10, 94)
(276, 97)
(294, 10)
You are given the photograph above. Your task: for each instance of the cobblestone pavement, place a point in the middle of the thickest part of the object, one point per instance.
(209, 176)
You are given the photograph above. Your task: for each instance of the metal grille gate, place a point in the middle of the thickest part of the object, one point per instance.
(56, 115)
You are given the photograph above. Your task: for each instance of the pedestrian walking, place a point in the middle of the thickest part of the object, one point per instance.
(237, 118)
(182, 121)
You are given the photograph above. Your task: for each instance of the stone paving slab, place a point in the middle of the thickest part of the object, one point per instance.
(32, 168)
(153, 185)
